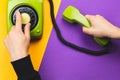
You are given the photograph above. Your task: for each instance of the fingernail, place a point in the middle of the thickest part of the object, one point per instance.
(29, 24)
(17, 12)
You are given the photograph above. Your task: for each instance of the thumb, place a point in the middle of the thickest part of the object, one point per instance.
(88, 30)
(27, 30)
(90, 17)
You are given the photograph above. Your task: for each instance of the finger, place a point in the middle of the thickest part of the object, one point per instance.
(18, 21)
(98, 15)
(27, 30)
(90, 17)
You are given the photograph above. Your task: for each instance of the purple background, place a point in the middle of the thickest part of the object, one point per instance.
(63, 63)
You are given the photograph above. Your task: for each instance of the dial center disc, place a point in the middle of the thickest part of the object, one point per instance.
(25, 18)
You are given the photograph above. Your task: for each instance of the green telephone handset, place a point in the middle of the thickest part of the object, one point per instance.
(31, 11)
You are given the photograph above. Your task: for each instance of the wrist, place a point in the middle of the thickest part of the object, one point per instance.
(118, 34)
(18, 55)
(115, 33)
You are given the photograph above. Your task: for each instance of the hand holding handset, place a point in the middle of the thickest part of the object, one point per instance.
(71, 14)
